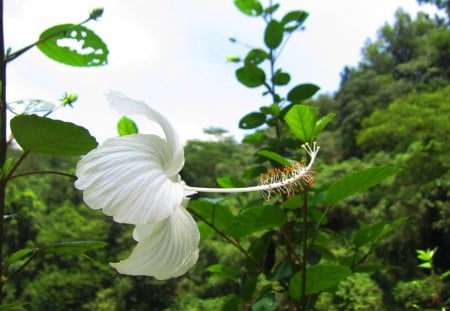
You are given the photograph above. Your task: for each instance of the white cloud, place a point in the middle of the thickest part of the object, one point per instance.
(172, 55)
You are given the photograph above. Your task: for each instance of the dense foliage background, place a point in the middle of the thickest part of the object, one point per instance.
(391, 109)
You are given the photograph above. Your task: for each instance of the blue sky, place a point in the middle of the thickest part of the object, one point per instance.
(172, 54)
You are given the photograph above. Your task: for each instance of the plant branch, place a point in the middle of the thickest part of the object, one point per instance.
(3, 138)
(43, 172)
(12, 56)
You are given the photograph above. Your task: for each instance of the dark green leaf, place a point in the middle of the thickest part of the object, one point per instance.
(322, 123)
(248, 288)
(232, 304)
(16, 256)
(368, 234)
(301, 120)
(249, 7)
(274, 156)
(256, 137)
(255, 57)
(358, 182)
(251, 76)
(293, 20)
(273, 35)
(281, 78)
(73, 45)
(368, 268)
(271, 9)
(43, 135)
(254, 172)
(13, 306)
(266, 303)
(259, 247)
(283, 270)
(77, 248)
(256, 219)
(318, 279)
(224, 271)
(252, 120)
(229, 182)
(211, 212)
(302, 92)
(126, 126)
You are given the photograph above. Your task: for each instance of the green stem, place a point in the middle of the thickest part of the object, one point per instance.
(303, 300)
(13, 275)
(3, 138)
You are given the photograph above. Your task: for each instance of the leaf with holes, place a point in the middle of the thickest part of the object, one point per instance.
(252, 120)
(73, 45)
(293, 20)
(43, 135)
(249, 7)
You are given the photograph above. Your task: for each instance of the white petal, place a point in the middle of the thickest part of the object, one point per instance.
(165, 249)
(126, 177)
(126, 105)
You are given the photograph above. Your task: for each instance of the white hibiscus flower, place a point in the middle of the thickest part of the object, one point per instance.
(135, 179)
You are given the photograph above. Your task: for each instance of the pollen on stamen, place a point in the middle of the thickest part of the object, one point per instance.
(288, 181)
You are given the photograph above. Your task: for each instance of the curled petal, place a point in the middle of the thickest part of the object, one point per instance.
(128, 106)
(165, 249)
(126, 178)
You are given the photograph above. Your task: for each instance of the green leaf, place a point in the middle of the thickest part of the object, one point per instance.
(255, 137)
(249, 7)
(271, 9)
(256, 219)
(281, 78)
(301, 120)
(73, 45)
(248, 288)
(321, 124)
(252, 120)
(224, 271)
(256, 56)
(205, 231)
(43, 135)
(13, 306)
(251, 76)
(368, 234)
(273, 35)
(76, 248)
(126, 126)
(368, 268)
(211, 212)
(274, 156)
(254, 172)
(16, 256)
(302, 92)
(318, 279)
(293, 20)
(283, 270)
(266, 303)
(229, 182)
(358, 182)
